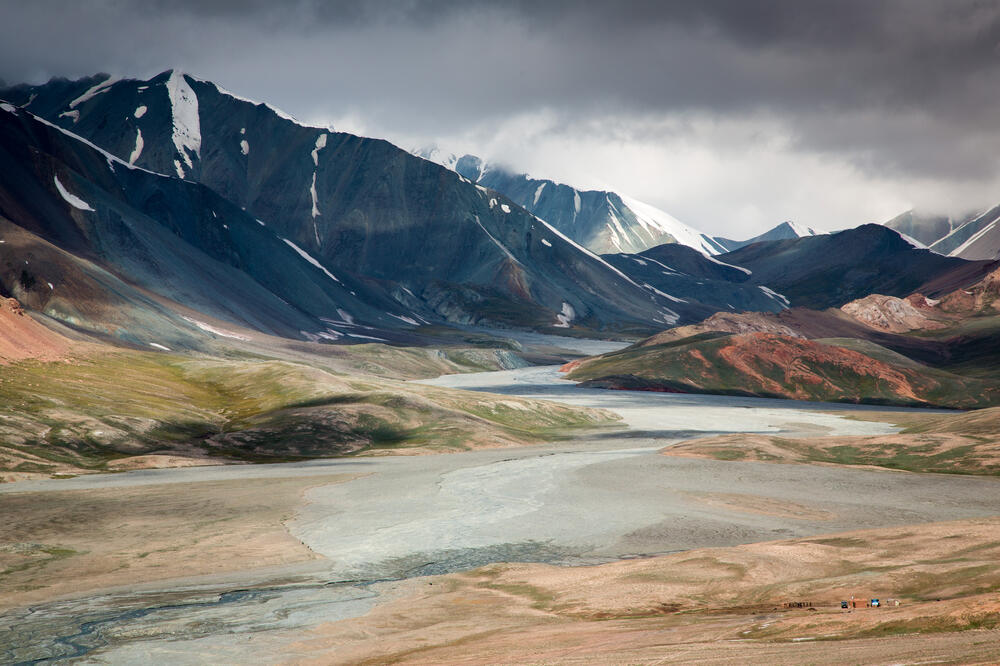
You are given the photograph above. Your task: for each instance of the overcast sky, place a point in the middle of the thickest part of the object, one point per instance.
(731, 115)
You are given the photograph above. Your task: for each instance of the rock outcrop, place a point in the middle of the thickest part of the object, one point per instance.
(980, 298)
(12, 305)
(895, 315)
(726, 322)
(21, 337)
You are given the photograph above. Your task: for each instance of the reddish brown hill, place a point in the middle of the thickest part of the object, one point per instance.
(799, 368)
(22, 337)
(769, 365)
(877, 349)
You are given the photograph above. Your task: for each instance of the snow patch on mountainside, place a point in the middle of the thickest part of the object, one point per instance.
(186, 121)
(500, 245)
(670, 317)
(565, 317)
(320, 145)
(312, 193)
(667, 270)
(71, 199)
(538, 193)
(663, 293)
(315, 207)
(137, 151)
(74, 114)
(308, 257)
(217, 331)
(405, 319)
(773, 295)
(244, 147)
(140, 111)
(101, 87)
(722, 263)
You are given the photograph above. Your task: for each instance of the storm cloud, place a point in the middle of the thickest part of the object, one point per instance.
(732, 115)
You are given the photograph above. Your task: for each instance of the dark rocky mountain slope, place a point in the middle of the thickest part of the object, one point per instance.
(700, 285)
(833, 269)
(422, 242)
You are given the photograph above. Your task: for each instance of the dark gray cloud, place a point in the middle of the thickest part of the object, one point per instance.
(902, 90)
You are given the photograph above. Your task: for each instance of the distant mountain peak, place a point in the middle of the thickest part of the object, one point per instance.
(784, 231)
(800, 230)
(602, 221)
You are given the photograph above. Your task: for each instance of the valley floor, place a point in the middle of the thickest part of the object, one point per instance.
(414, 559)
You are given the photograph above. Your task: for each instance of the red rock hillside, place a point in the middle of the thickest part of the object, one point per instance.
(769, 365)
(22, 337)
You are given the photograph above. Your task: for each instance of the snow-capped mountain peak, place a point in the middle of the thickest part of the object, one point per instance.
(801, 230)
(784, 231)
(654, 219)
(602, 221)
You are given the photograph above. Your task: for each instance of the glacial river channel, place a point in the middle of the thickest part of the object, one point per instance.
(604, 497)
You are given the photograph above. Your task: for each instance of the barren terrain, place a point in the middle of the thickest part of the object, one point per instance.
(964, 443)
(713, 606)
(595, 549)
(68, 542)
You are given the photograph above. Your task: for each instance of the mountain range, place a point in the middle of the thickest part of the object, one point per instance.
(163, 211)
(391, 239)
(831, 269)
(140, 220)
(602, 221)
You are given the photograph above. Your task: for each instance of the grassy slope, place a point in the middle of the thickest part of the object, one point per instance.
(88, 412)
(777, 366)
